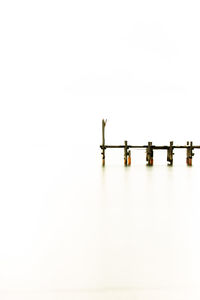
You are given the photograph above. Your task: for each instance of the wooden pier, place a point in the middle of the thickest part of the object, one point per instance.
(149, 150)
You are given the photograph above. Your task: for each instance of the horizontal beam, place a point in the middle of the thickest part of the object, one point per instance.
(146, 146)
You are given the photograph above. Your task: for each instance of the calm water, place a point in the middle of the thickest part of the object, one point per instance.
(101, 233)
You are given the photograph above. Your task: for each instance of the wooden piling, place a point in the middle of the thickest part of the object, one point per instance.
(189, 153)
(103, 142)
(125, 153)
(149, 154)
(170, 154)
(129, 157)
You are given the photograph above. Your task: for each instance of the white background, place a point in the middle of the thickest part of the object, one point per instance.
(65, 65)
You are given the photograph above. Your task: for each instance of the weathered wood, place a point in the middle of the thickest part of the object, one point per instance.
(146, 146)
(129, 157)
(189, 153)
(125, 153)
(149, 150)
(149, 154)
(108, 146)
(103, 142)
(170, 154)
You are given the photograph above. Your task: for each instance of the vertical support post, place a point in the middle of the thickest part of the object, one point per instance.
(149, 154)
(170, 154)
(103, 142)
(125, 153)
(189, 153)
(129, 157)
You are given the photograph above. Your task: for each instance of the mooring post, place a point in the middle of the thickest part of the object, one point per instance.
(149, 154)
(125, 153)
(103, 142)
(189, 153)
(129, 157)
(170, 154)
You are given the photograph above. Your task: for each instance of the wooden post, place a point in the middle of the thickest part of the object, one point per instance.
(125, 153)
(170, 154)
(149, 154)
(129, 157)
(189, 153)
(103, 141)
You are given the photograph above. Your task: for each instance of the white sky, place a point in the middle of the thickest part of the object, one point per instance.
(67, 64)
